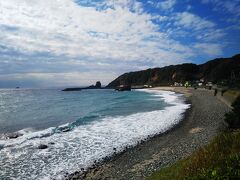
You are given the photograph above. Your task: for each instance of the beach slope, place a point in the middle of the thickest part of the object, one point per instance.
(202, 122)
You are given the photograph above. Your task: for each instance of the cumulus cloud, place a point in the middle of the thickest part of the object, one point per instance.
(166, 4)
(62, 37)
(197, 27)
(208, 48)
(63, 27)
(189, 20)
(231, 6)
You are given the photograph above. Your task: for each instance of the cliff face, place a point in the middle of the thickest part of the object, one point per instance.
(215, 70)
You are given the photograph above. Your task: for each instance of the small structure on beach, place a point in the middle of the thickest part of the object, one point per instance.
(209, 85)
(123, 88)
(147, 86)
(177, 84)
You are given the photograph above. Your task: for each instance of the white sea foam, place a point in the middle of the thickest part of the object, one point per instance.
(67, 152)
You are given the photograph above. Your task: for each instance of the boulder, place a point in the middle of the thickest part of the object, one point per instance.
(14, 135)
(42, 146)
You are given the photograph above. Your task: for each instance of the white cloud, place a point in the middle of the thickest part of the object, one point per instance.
(230, 6)
(110, 34)
(192, 21)
(150, 2)
(211, 35)
(210, 49)
(159, 18)
(192, 26)
(166, 4)
(59, 79)
(63, 27)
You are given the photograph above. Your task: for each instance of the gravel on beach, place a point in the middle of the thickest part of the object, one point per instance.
(201, 123)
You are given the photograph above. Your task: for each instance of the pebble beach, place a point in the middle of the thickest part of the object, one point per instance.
(200, 124)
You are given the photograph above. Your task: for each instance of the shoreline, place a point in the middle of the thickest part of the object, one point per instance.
(165, 148)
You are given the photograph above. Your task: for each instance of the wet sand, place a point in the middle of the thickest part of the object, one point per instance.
(200, 124)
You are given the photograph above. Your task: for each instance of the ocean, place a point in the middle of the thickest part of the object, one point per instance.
(79, 128)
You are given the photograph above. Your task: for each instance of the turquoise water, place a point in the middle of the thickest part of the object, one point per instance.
(40, 109)
(79, 128)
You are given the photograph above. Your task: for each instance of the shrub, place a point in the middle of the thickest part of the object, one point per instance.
(233, 118)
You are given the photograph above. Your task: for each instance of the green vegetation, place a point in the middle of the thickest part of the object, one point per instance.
(233, 118)
(218, 160)
(223, 71)
(233, 93)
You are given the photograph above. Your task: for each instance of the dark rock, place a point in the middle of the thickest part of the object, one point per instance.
(14, 135)
(106, 158)
(42, 146)
(98, 84)
(1, 146)
(72, 89)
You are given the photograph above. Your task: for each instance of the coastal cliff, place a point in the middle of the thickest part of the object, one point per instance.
(217, 70)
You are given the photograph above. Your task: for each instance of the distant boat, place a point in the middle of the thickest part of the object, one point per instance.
(17, 87)
(123, 88)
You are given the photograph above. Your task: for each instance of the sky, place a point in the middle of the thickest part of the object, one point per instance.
(63, 43)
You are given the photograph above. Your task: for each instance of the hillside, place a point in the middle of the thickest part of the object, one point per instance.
(217, 70)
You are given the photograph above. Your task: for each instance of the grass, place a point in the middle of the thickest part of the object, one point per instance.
(218, 160)
(232, 94)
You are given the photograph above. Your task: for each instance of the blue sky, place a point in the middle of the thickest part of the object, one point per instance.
(51, 43)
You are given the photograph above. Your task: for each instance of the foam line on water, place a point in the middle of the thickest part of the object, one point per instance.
(168, 96)
(79, 148)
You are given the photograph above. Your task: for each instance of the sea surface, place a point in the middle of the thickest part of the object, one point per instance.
(79, 128)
